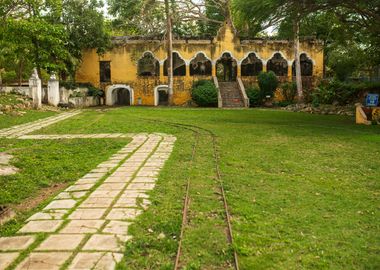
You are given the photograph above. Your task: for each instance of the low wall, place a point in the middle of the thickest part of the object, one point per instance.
(80, 102)
(22, 90)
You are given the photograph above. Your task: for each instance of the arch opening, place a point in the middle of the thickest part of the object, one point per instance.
(226, 68)
(119, 94)
(306, 66)
(200, 66)
(278, 65)
(251, 65)
(161, 95)
(179, 65)
(148, 65)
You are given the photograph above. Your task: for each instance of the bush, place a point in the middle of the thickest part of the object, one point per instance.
(254, 95)
(289, 91)
(343, 93)
(9, 76)
(268, 83)
(204, 94)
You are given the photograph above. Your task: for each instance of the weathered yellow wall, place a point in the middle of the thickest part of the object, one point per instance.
(125, 55)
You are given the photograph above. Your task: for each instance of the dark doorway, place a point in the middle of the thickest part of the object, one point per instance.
(122, 97)
(226, 68)
(163, 97)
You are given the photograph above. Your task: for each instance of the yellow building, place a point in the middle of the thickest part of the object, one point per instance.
(134, 72)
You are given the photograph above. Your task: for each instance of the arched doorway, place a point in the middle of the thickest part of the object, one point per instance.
(226, 68)
(119, 94)
(161, 95)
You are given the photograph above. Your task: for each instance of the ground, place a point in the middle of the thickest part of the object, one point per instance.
(302, 189)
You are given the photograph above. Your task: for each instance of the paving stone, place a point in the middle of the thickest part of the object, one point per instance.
(15, 242)
(94, 175)
(141, 186)
(53, 214)
(61, 204)
(144, 179)
(44, 261)
(61, 242)
(117, 179)
(79, 187)
(97, 202)
(88, 213)
(117, 227)
(87, 181)
(104, 242)
(134, 194)
(7, 258)
(95, 260)
(123, 213)
(104, 193)
(41, 226)
(125, 202)
(83, 226)
(111, 186)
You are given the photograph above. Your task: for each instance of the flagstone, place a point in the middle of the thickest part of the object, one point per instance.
(53, 214)
(104, 193)
(61, 204)
(117, 227)
(83, 226)
(141, 186)
(44, 261)
(16, 242)
(88, 213)
(95, 261)
(35, 226)
(79, 187)
(61, 242)
(7, 258)
(111, 186)
(123, 213)
(104, 242)
(97, 202)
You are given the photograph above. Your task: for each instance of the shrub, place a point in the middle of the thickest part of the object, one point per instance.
(268, 83)
(9, 76)
(204, 94)
(289, 91)
(254, 95)
(343, 93)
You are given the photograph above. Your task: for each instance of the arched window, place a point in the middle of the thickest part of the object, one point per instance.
(306, 66)
(179, 66)
(226, 68)
(251, 66)
(200, 65)
(278, 65)
(148, 65)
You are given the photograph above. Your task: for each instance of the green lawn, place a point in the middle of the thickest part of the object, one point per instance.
(302, 189)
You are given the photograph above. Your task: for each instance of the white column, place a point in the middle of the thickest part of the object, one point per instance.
(53, 91)
(35, 89)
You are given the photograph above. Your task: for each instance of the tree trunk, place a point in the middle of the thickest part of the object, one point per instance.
(20, 71)
(297, 59)
(169, 46)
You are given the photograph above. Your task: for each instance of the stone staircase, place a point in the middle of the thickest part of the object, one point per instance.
(231, 96)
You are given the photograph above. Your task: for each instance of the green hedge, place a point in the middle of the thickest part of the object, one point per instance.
(204, 94)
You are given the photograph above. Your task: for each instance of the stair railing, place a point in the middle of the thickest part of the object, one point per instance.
(216, 83)
(242, 92)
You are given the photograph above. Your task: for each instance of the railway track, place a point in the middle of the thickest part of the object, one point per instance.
(197, 133)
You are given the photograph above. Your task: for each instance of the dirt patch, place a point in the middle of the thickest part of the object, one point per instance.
(41, 196)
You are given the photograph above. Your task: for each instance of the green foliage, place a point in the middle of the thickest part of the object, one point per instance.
(254, 95)
(268, 83)
(329, 92)
(8, 76)
(289, 91)
(204, 94)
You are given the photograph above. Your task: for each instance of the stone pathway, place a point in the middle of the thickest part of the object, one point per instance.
(86, 225)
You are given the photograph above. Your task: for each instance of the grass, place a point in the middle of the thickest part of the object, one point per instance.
(302, 189)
